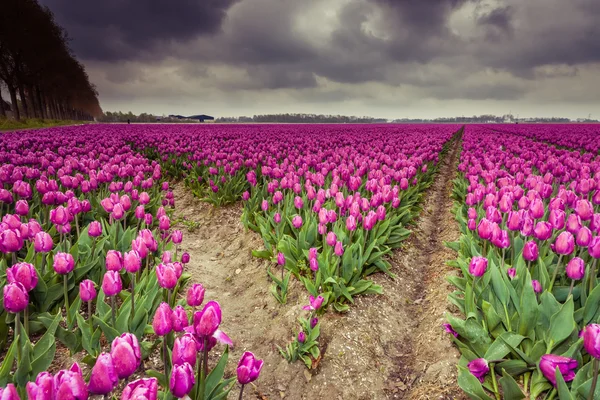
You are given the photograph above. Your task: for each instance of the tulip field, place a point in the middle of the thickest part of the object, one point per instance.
(96, 261)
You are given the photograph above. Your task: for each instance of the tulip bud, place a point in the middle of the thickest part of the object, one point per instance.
(111, 284)
(9, 392)
(141, 389)
(42, 242)
(339, 249)
(104, 376)
(248, 368)
(478, 266)
(132, 262)
(479, 368)
(301, 337)
(543, 230)
(182, 380)
(185, 350)
(576, 269)
(179, 319)
(564, 244)
(297, 222)
(114, 260)
(162, 322)
(21, 207)
(331, 239)
(42, 389)
(484, 229)
(530, 251)
(207, 321)
(87, 290)
(584, 237)
(23, 273)
(511, 273)
(16, 297)
(167, 277)
(63, 263)
(140, 212)
(164, 223)
(566, 366)
(185, 258)
(277, 218)
(594, 247)
(574, 223)
(126, 355)
(95, 229)
(591, 340)
(69, 384)
(195, 295)
(537, 286)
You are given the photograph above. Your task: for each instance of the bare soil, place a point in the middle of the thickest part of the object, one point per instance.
(390, 346)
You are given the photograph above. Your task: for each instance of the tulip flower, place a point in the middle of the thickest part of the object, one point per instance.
(167, 277)
(564, 244)
(112, 286)
(248, 370)
(195, 295)
(162, 323)
(23, 273)
(479, 368)
(185, 350)
(182, 380)
(9, 393)
(69, 384)
(87, 290)
(42, 242)
(530, 251)
(42, 388)
(566, 366)
(448, 328)
(314, 303)
(339, 249)
(114, 260)
(95, 229)
(313, 322)
(179, 319)
(16, 297)
(63, 263)
(301, 337)
(537, 286)
(185, 258)
(297, 222)
(511, 273)
(478, 266)
(141, 389)
(126, 355)
(104, 375)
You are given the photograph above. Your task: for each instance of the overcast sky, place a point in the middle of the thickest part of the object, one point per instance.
(383, 58)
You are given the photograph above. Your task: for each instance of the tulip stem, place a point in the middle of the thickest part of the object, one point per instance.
(241, 392)
(66, 293)
(494, 383)
(166, 358)
(594, 380)
(132, 296)
(113, 311)
(26, 320)
(90, 316)
(571, 288)
(204, 372)
(592, 276)
(77, 226)
(17, 334)
(43, 269)
(555, 273)
(14, 258)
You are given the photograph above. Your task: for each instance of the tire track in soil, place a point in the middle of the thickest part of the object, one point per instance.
(389, 346)
(428, 369)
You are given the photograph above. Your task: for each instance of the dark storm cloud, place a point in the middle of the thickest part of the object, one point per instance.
(113, 30)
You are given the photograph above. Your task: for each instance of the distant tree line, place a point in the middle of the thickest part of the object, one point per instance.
(37, 67)
(487, 118)
(303, 118)
(118, 116)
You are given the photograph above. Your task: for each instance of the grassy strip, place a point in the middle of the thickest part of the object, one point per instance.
(9, 124)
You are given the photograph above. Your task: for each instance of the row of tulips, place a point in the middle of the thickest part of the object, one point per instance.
(529, 214)
(86, 221)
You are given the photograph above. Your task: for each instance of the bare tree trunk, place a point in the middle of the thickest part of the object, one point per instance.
(35, 109)
(41, 103)
(2, 111)
(24, 102)
(13, 99)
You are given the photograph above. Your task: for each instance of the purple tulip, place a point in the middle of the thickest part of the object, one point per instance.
(141, 389)
(484, 229)
(331, 239)
(297, 222)
(95, 229)
(111, 283)
(479, 368)
(566, 366)
(177, 236)
(557, 219)
(314, 303)
(537, 286)
(594, 247)
(248, 368)
(63, 263)
(131, 261)
(301, 337)
(584, 237)
(185, 258)
(179, 319)
(314, 322)
(162, 322)
(281, 259)
(42, 388)
(576, 269)
(164, 223)
(478, 266)
(126, 355)
(114, 260)
(351, 223)
(167, 276)
(16, 298)
(207, 321)
(530, 251)
(87, 290)
(104, 375)
(182, 380)
(339, 249)
(542, 230)
(23, 273)
(185, 350)
(564, 244)
(277, 218)
(195, 295)
(512, 272)
(574, 223)
(9, 393)
(69, 384)
(591, 340)
(448, 328)
(42, 242)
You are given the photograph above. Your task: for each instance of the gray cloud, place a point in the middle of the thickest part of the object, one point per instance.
(338, 52)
